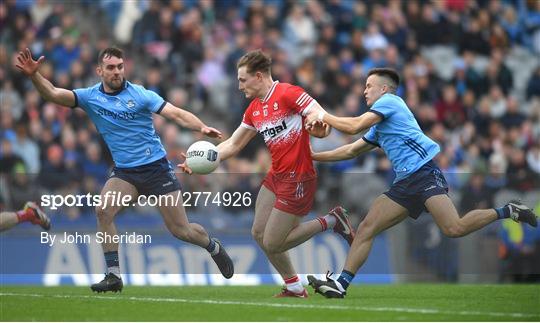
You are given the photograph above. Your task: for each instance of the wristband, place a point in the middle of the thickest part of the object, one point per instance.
(321, 115)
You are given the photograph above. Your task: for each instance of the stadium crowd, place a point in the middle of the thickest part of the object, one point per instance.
(470, 74)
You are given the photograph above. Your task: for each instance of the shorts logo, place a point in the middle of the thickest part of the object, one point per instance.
(430, 188)
(167, 184)
(299, 190)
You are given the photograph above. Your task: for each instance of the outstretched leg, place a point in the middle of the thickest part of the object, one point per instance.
(383, 214)
(176, 221)
(446, 216)
(30, 213)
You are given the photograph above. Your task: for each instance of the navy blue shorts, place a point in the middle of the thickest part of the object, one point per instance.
(156, 178)
(413, 191)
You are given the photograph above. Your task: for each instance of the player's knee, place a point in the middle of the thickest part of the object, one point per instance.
(104, 215)
(272, 246)
(258, 236)
(453, 231)
(366, 230)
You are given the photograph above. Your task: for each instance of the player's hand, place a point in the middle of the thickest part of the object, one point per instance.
(313, 115)
(318, 129)
(314, 155)
(183, 166)
(27, 64)
(211, 132)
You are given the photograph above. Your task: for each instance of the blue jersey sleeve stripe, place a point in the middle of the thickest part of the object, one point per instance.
(370, 142)
(76, 99)
(161, 107)
(378, 113)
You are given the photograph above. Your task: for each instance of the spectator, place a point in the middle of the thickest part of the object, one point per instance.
(533, 85)
(27, 149)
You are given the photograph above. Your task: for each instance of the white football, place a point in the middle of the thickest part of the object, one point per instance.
(202, 157)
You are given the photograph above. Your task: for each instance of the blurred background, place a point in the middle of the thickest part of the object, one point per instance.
(470, 73)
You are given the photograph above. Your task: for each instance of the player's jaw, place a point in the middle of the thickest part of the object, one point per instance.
(115, 83)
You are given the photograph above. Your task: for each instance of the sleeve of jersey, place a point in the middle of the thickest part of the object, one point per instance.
(154, 102)
(246, 121)
(383, 108)
(81, 97)
(370, 137)
(299, 100)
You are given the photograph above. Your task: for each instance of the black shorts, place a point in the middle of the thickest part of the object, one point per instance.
(413, 191)
(156, 178)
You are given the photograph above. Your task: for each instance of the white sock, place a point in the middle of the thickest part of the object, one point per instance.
(114, 270)
(294, 285)
(330, 221)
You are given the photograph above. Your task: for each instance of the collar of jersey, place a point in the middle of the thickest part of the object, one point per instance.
(124, 86)
(269, 94)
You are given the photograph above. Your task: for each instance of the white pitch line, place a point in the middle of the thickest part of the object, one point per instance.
(305, 306)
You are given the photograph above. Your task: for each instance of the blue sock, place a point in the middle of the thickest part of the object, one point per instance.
(111, 258)
(503, 212)
(345, 278)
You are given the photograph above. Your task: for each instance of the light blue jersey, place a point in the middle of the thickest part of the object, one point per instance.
(400, 136)
(124, 119)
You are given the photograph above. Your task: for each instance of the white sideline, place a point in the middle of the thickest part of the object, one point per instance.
(306, 306)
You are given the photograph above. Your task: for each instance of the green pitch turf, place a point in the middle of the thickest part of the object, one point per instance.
(408, 302)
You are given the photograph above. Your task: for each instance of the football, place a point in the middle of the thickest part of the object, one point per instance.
(202, 157)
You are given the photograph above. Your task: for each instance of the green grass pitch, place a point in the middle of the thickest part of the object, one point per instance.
(401, 302)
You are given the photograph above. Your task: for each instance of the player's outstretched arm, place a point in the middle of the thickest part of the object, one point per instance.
(235, 143)
(344, 152)
(188, 120)
(46, 89)
(348, 125)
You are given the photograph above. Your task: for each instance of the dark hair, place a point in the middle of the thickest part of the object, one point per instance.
(255, 61)
(388, 73)
(109, 52)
